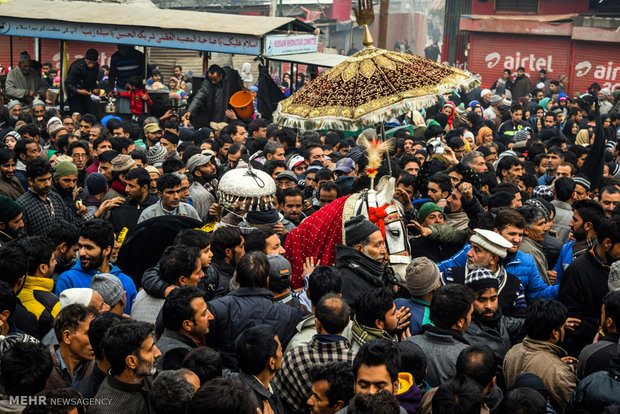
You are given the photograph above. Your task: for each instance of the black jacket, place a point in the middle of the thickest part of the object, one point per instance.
(262, 393)
(243, 308)
(23, 320)
(128, 213)
(358, 272)
(596, 391)
(596, 357)
(81, 77)
(225, 272)
(581, 290)
(499, 338)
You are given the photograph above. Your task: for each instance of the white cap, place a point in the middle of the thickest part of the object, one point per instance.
(71, 296)
(491, 241)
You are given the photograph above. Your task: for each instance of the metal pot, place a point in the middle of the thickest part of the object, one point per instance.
(110, 108)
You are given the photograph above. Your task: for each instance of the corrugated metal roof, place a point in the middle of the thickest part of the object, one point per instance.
(326, 60)
(135, 15)
(527, 17)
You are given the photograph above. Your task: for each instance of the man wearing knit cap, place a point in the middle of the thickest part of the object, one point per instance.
(431, 214)
(121, 165)
(65, 179)
(111, 290)
(156, 155)
(422, 279)
(488, 248)
(488, 326)
(361, 258)
(11, 220)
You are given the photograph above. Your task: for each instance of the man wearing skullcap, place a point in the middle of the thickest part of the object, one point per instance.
(488, 325)
(488, 248)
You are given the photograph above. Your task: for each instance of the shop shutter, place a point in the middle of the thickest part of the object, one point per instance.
(491, 53)
(596, 62)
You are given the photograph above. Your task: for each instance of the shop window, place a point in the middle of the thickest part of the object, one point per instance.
(516, 6)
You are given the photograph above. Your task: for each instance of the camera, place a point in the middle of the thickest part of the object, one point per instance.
(434, 146)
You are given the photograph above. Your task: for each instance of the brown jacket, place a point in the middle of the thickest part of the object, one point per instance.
(12, 189)
(58, 379)
(543, 359)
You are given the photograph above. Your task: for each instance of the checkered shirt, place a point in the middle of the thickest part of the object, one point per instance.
(294, 378)
(39, 214)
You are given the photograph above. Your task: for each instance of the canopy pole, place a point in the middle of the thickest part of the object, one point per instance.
(387, 151)
(61, 95)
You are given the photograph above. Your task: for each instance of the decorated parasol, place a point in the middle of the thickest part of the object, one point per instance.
(369, 87)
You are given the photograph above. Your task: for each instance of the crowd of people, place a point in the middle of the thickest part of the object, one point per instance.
(509, 301)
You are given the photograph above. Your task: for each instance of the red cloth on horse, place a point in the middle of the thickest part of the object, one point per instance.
(316, 236)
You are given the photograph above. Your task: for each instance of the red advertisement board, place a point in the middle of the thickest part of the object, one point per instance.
(491, 53)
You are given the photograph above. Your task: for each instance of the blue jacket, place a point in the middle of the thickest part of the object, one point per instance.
(522, 266)
(545, 179)
(564, 259)
(420, 313)
(79, 278)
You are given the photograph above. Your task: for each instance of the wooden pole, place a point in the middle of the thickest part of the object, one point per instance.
(384, 8)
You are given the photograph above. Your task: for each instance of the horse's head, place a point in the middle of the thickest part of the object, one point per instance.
(380, 207)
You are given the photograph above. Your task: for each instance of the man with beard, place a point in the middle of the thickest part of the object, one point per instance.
(488, 248)
(541, 352)
(24, 84)
(139, 198)
(362, 260)
(64, 183)
(587, 218)
(130, 349)
(585, 284)
(11, 220)
(9, 183)
(376, 316)
(65, 238)
(42, 207)
(488, 326)
(202, 169)
(510, 225)
(96, 241)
